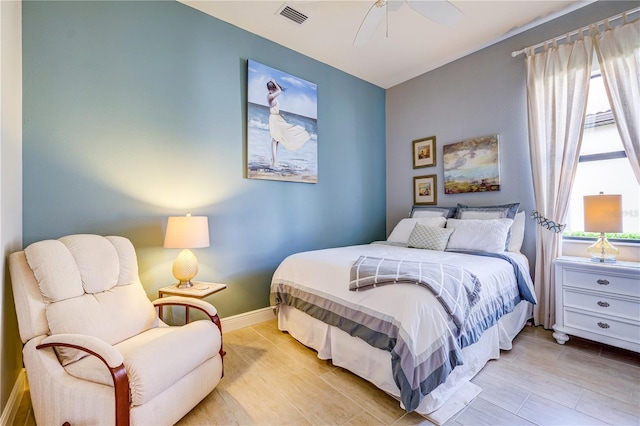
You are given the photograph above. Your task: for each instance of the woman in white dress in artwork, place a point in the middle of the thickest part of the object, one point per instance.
(292, 137)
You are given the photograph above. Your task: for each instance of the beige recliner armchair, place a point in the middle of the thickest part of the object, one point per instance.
(95, 350)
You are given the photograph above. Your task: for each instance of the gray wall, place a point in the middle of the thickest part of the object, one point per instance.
(481, 94)
(135, 111)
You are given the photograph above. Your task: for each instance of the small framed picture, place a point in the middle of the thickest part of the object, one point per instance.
(425, 189)
(424, 152)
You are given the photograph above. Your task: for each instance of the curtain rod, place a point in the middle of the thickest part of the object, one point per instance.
(576, 32)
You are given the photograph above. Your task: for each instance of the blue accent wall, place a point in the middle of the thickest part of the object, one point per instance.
(135, 111)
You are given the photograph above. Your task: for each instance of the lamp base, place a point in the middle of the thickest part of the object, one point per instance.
(602, 260)
(602, 251)
(184, 284)
(185, 268)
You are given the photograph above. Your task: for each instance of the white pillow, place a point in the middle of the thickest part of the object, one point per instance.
(516, 238)
(479, 234)
(428, 213)
(481, 214)
(402, 231)
(424, 211)
(517, 232)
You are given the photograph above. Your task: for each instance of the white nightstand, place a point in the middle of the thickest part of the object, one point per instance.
(199, 290)
(598, 301)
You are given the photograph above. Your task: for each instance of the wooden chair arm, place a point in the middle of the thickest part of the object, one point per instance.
(202, 305)
(118, 373)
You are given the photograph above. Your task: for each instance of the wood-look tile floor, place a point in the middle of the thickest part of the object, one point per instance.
(271, 379)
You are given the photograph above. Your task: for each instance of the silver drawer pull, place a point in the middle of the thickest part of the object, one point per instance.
(603, 304)
(603, 325)
(603, 282)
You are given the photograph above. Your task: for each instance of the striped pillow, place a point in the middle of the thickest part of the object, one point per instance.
(429, 237)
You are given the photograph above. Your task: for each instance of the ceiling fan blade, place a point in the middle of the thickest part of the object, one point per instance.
(440, 11)
(394, 5)
(370, 22)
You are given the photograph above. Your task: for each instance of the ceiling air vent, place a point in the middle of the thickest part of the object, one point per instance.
(292, 14)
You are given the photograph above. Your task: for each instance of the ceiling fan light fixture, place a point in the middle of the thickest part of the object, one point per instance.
(440, 11)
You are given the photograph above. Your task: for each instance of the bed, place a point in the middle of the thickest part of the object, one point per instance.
(417, 315)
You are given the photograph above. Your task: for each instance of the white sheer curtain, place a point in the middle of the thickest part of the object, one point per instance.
(618, 52)
(557, 86)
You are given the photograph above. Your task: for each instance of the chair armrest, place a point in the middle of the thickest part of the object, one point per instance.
(190, 302)
(90, 344)
(202, 305)
(109, 356)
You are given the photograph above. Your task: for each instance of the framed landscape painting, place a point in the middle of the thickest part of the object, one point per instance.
(472, 165)
(424, 152)
(424, 189)
(282, 126)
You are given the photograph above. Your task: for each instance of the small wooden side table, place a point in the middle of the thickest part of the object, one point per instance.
(199, 290)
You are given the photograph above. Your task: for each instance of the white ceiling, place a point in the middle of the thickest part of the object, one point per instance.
(413, 46)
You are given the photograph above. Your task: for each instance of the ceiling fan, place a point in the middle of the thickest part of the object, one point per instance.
(440, 11)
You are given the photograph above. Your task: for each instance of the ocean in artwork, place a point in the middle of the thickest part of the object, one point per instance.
(298, 166)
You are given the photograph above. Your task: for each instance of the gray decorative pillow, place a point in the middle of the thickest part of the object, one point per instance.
(487, 212)
(429, 237)
(402, 230)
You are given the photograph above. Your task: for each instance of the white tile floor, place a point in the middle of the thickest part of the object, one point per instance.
(270, 379)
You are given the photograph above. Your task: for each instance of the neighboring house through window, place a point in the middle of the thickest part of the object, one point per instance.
(603, 167)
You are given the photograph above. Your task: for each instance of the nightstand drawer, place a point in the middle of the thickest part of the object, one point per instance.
(601, 282)
(603, 303)
(598, 301)
(603, 326)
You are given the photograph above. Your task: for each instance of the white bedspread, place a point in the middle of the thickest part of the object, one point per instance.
(404, 319)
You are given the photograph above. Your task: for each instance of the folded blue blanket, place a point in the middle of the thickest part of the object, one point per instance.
(518, 267)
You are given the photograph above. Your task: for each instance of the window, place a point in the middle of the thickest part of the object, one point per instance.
(603, 167)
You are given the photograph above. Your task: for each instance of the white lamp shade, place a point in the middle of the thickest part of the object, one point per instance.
(603, 213)
(187, 232)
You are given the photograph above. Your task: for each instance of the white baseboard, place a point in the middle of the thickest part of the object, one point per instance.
(13, 403)
(246, 319)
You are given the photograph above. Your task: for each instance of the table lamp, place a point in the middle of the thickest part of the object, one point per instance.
(186, 232)
(603, 213)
